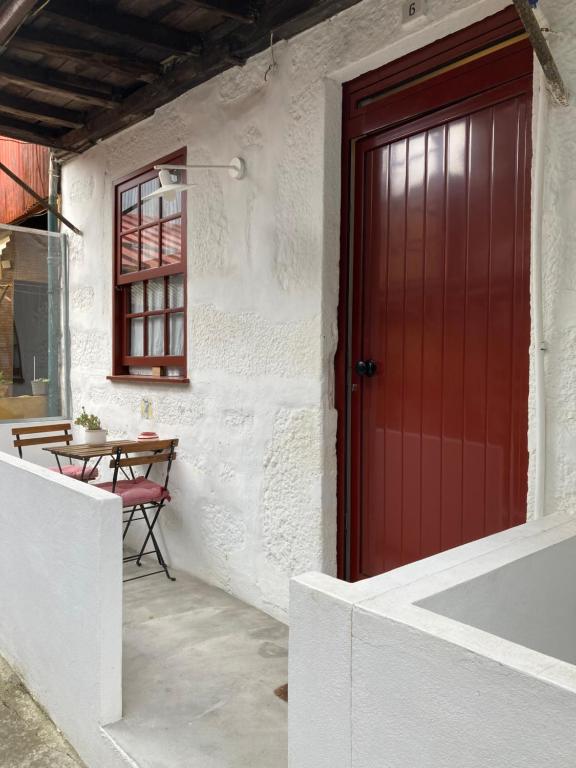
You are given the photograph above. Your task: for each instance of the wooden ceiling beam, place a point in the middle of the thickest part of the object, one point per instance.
(53, 81)
(285, 19)
(12, 15)
(239, 10)
(227, 45)
(143, 102)
(18, 129)
(11, 104)
(85, 17)
(84, 52)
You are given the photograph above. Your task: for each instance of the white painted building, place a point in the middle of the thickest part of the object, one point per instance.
(256, 480)
(257, 484)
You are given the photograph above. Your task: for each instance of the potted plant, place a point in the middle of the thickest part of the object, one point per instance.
(93, 432)
(40, 386)
(4, 386)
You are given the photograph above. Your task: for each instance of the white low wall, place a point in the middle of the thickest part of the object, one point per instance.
(457, 661)
(61, 600)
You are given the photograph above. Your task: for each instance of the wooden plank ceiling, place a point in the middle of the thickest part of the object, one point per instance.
(75, 71)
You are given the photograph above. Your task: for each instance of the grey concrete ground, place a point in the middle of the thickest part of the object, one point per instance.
(200, 670)
(28, 738)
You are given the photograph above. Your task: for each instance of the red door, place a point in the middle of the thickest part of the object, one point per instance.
(439, 337)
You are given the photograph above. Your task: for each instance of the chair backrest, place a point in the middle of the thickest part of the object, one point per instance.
(44, 434)
(148, 453)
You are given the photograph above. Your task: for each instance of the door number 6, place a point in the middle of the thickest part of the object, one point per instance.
(411, 9)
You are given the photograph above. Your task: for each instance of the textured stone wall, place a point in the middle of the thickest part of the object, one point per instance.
(255, 498)
(559, 269)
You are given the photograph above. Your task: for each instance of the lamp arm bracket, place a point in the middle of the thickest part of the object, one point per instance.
(237, 167)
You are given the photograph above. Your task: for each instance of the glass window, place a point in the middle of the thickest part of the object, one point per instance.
(156, 289)
(150, 311)
(137, 297)
(129, 203)
(176, 291)
(137, 336)
(33, 373)
(172, 241)
(177, 333)
(129, 253)
(156, 336)
(150, 208)
(151, 247)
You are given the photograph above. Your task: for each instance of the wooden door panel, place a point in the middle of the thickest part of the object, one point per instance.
(443, 310)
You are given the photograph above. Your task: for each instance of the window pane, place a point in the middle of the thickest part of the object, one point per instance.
(150, 208)
(172, 241)
(177, 333)
(150, 247)
(155, 293)
(129, 206)
(137, 297)
(137, 337)
(32, 380)
(173, 205)
(156, 336)
(129, 253)
(176, 291)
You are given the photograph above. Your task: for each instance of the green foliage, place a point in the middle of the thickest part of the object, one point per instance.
(88, 420)
(2, 379)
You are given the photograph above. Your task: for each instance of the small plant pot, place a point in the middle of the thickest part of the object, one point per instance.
(39, 387)
(95, 436)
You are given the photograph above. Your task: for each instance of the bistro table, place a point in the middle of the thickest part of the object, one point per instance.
(83, 452)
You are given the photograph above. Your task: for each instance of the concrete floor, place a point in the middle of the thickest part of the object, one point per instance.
(200, 670)
(28, 738)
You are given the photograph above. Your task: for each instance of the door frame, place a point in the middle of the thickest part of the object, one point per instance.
(361, 116)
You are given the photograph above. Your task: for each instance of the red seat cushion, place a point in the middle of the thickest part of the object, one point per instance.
(138, 491)
(75, 471)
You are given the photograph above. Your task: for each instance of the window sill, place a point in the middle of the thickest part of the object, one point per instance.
(135, 379)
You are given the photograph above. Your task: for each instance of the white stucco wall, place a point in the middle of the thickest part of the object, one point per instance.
(61, 600)
(559, 269)
(255, 499)
(531, 601)
(410, 669)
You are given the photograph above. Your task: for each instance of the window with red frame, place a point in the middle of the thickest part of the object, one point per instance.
(150, 277)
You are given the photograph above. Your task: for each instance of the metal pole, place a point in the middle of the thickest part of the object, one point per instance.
(54, 293)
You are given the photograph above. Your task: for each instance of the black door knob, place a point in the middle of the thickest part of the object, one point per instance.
(366, 368)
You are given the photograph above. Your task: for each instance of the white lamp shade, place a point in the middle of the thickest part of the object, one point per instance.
(168, 188)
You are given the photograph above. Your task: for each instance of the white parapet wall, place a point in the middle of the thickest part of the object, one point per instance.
(463, 660)
(61, 600)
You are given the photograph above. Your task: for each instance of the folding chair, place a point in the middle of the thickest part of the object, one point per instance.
(142, 494)
(50, 434)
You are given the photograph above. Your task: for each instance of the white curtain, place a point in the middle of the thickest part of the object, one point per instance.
(177, 334)
(156, 336)
(137, 337)
(176, 291)
(156, 293)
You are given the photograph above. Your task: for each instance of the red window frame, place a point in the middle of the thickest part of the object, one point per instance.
(123, 360)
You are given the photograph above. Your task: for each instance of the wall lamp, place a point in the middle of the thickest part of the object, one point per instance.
(169, 189)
